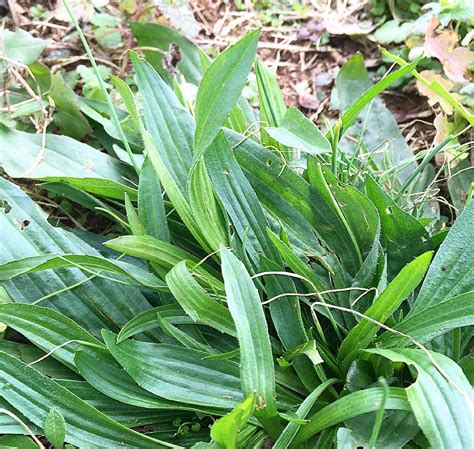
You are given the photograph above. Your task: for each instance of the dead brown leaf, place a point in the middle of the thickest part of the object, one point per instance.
(441, 45)
(433, 97)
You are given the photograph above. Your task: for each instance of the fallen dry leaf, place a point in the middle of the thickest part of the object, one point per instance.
(441, 45)
(433, 97)
(305, 98)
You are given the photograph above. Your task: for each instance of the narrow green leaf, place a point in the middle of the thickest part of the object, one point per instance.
(357, 107)
(97, 264)
(136, 226)
(384, 306)
(151, 207)
(288, 322)
(256, 362)
(34, 395)
(147, 320)
(196, 302)
(288, 434)
(47, 329)
(169, 124)
(350, 406)
(220, 88)
(163, 253)
(239, 199)
(182, 375)
(441, 397)
(432, 322)
(205, 209)
(270, 98)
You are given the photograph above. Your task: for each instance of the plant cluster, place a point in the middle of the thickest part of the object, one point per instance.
(267, 283)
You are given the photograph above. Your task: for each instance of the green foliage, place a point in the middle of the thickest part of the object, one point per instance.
(274, 286)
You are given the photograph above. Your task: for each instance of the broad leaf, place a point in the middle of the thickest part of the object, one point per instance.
(92, 302)
(452, 270)
(297, 131)
(63, 159)
(403, 236)
(21, 46)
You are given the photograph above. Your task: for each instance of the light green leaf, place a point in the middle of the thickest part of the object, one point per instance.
(21, 46)
(350, 406)
(147, 320)
(64, 159)
(220, 88)
(384, 306)
(441, 397)
(256, 362)
(432, 322)
(97, 264)
(151, 208)
(225, 430)
(55, 429)
(297, 131)
(164, 254)
(196, 302)
(205, 208)
(169, 124)
(68, 116)
(239, 199)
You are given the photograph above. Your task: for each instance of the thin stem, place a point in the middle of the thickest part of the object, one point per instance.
(115, 118)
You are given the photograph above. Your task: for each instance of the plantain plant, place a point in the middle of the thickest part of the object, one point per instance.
(267, 284)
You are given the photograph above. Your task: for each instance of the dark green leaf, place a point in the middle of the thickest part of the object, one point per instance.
(34, 395)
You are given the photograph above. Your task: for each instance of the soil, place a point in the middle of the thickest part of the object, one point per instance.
(305, 67)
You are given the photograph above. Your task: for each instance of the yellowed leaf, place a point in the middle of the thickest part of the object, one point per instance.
(433, 97)
(441, 45)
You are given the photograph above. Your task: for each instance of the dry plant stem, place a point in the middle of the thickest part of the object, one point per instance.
(22, 424)
(46, 118)
(113, 114)
(313, 306)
